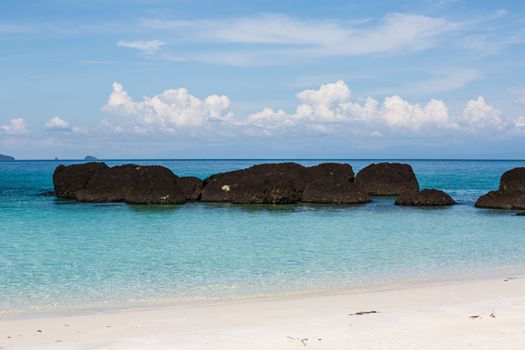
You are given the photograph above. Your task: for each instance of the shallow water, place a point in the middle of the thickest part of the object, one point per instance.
(58, 253)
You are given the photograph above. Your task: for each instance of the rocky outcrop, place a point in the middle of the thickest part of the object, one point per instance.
(425, 198)
(260, 184)
(387, 179)
(133, 184)
(513, 180)
(5, 158)
(285, 183)
(191, 186)
(510, 195)
(332, 183)
(502, 200)
(280, 183)
(68, 180)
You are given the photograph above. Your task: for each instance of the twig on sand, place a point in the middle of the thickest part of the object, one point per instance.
(360, 313)
(475, 317)
(493, 315)
(510, 279)
(300, 340)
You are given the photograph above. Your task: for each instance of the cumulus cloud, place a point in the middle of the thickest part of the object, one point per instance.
(171, 110)
(16, 126)
(520, 122)
(57, 123)
(328, 109)
(146, 46)
(479, 114)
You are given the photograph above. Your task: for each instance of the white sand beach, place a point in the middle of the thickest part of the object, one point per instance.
(479, 314)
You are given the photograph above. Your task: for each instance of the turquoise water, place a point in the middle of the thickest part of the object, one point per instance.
(62, 254)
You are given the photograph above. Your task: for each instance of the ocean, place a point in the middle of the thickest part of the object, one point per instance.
(62, 255)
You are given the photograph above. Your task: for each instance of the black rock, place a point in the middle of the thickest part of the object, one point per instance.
(332, 183)
(510, 195)
(387, 179)
(4, 158)
(521, 214)
(513, 180)
(425, 198)
(502, 200)
(68, 180)
(191, 187)
(133, 184)
(281, 183)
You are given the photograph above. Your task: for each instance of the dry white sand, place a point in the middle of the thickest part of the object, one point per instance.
(431, 316)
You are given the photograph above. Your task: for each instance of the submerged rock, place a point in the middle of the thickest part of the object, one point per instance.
(510, 195)
(133, 184)
(281, 183)
(332, 183)
(47, 194)
(521, 214)
(387, 179)
(425, 198)
(68, 180)
(191, 186)
(6, 158)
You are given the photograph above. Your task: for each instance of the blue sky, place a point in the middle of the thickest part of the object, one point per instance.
(262, 79)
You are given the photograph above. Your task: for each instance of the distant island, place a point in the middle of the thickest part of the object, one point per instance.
(90, 158)
(5, 158)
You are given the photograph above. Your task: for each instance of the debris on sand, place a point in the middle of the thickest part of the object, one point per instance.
(360, 313)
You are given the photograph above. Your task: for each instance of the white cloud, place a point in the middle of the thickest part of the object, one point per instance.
(271, 39)
(442, 82)
(400, 113)
(173, 109)
(57, 123)
(328, 109)
(479, 114)
(16, 126)
(77, 130)
(520, 122)
(146, 46)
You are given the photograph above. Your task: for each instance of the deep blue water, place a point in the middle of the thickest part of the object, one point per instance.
(58, 253)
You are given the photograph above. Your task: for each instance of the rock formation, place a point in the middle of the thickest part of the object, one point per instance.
(425, 198)
(68, 180)
(191, 187)
(387, 179)
(510, 195)
(260, 184)
(332, 183)
(133, 184)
